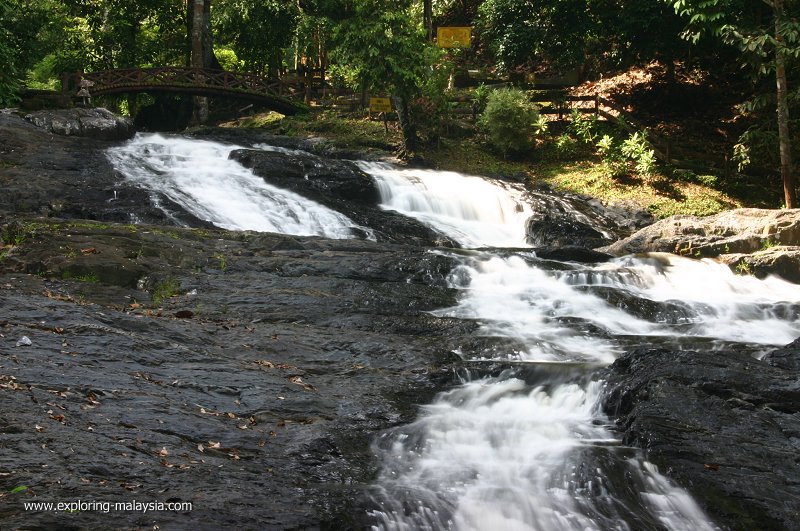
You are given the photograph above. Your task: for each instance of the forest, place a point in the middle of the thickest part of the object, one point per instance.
(732, 61)
(742, 53)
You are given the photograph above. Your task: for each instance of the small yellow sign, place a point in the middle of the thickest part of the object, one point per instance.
(380, 105)
(454, 37)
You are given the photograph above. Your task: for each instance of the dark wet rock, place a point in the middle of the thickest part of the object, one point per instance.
(570, 220)
(44, 174)
(744, 230)
(572, 253)
(787, 358)
(342, 186)
(246, 373)
(721, 423)
(311, 176)
(558, 229)
(97, 123)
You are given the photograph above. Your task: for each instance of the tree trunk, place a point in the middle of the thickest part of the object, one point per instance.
(427, 16)
(410, 140)
(787, 175)
(197, 26)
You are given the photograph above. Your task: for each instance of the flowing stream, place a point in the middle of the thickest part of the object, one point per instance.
(528, 448)
(198, 176)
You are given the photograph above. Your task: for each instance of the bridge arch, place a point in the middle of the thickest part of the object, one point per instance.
(194, 81)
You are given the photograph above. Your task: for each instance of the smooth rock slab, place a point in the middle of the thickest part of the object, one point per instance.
(743, 230)
(98, 123)
(251, 387)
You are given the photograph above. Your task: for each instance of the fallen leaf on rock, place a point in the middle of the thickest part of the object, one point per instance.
(59, 418)
(89, 250)
(164, 452)
(134, 305)
(58, 330)
(166, 464)
(201, 448)
(265, 363)
(38, 428)
(299, 381)
(212, 444)
(711, 466)
(242, 426)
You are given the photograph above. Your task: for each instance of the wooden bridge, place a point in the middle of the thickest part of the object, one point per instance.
(196, 81)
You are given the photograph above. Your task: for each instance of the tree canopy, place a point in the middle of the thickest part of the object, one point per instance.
(385, 47)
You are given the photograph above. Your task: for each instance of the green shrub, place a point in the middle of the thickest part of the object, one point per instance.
(510, 120)
(583, 127)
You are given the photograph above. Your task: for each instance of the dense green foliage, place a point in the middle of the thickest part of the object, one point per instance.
(382, 48)
(256, 30)
(767, 35)
(8, 71)
(510, 120)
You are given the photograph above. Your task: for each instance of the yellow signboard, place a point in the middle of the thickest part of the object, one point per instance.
(380, 105)
(454, 37)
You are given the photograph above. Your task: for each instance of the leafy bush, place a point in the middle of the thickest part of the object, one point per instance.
(510, 120)
(583, 127)
(632, 153)
(636, 150)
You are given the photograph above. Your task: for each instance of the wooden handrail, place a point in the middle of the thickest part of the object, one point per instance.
(194, 80)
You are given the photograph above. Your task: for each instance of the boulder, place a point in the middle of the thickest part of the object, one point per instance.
(561, 229)
(97, 123)
(744, 231)
(782, 260)
(721, 423)
(341, 186)
(310, 175)
(563, 219)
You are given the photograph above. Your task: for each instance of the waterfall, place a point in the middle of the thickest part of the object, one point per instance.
(198, 176)
(474, 211)
(534, 452)
(528, 449)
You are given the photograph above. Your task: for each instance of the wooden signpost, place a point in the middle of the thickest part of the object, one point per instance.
(454, 37)
(380, 105)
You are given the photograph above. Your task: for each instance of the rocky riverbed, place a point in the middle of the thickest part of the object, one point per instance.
(248, 373)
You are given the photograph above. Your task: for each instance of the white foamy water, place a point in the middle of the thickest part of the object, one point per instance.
(552, 312)
(502, 453)
(198, 176)
(474, 211)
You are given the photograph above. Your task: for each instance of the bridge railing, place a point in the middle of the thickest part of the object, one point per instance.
(174, 76)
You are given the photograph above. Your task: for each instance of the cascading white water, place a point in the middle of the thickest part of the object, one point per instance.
(198, 176)
(474, 211)
(503, 453)
(518, 451)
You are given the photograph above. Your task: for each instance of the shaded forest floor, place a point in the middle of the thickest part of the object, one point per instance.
(697, 114)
